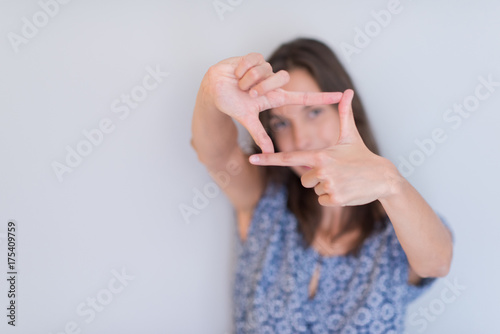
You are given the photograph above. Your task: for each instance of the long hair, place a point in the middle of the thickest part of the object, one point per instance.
(323, 65)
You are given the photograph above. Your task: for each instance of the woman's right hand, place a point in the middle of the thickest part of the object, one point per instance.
(242, 87)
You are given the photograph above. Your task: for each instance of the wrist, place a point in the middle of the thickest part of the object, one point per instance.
(394, 181)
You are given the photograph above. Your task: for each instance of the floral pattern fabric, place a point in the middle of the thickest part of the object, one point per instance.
(366, 293)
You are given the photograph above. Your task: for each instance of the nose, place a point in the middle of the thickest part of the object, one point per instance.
(302, 137)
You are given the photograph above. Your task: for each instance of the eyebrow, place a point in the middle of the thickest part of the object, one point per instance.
(305, 108)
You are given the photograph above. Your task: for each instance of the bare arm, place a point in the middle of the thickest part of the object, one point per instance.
(214, 135)
(349, 174)
(215, 139)
(425, 239)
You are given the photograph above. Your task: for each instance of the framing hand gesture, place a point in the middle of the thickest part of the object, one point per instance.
(347, 173)
(242, 87)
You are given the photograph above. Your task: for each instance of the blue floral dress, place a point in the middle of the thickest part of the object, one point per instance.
(367, 293)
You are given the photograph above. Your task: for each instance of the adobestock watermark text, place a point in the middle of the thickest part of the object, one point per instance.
(373, 28)
(223, 6)
(121, 107)
(31, 27)
(454, 117)
(210, 190)
(448, 295)
(94, 304)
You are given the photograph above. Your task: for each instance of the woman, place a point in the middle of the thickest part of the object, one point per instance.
(333, 238)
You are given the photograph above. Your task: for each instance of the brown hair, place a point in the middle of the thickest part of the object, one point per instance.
(323, 65)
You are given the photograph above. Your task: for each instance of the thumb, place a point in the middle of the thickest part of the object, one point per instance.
(348, 130)
(259, 134)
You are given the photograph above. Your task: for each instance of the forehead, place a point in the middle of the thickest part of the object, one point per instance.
(300, 81)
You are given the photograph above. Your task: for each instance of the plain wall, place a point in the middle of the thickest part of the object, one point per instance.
(118, 212)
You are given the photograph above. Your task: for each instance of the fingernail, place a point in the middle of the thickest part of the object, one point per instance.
(254, 158)
(253, 93)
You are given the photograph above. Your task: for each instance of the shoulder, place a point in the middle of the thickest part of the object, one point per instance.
(268, 211)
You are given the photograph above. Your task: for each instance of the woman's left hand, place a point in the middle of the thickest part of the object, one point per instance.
(345, 174)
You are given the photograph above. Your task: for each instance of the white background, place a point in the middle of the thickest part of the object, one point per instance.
(119, 209)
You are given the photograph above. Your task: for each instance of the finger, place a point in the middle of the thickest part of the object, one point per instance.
(311, 98)
(326, 200)
(248, 61)
(318, 190)
(330, 199)
(310, 180)
(323, 187)
(259, 134)
(273, 82)
(297, 158)
(255, 75)
(348, 130)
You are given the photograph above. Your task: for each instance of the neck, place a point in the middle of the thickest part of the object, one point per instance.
(331, 223)
(332, 237)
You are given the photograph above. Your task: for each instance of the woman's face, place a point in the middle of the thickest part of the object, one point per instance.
(302, 128)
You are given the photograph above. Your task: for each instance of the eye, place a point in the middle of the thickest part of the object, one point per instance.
(315, 112)
(278, 125)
